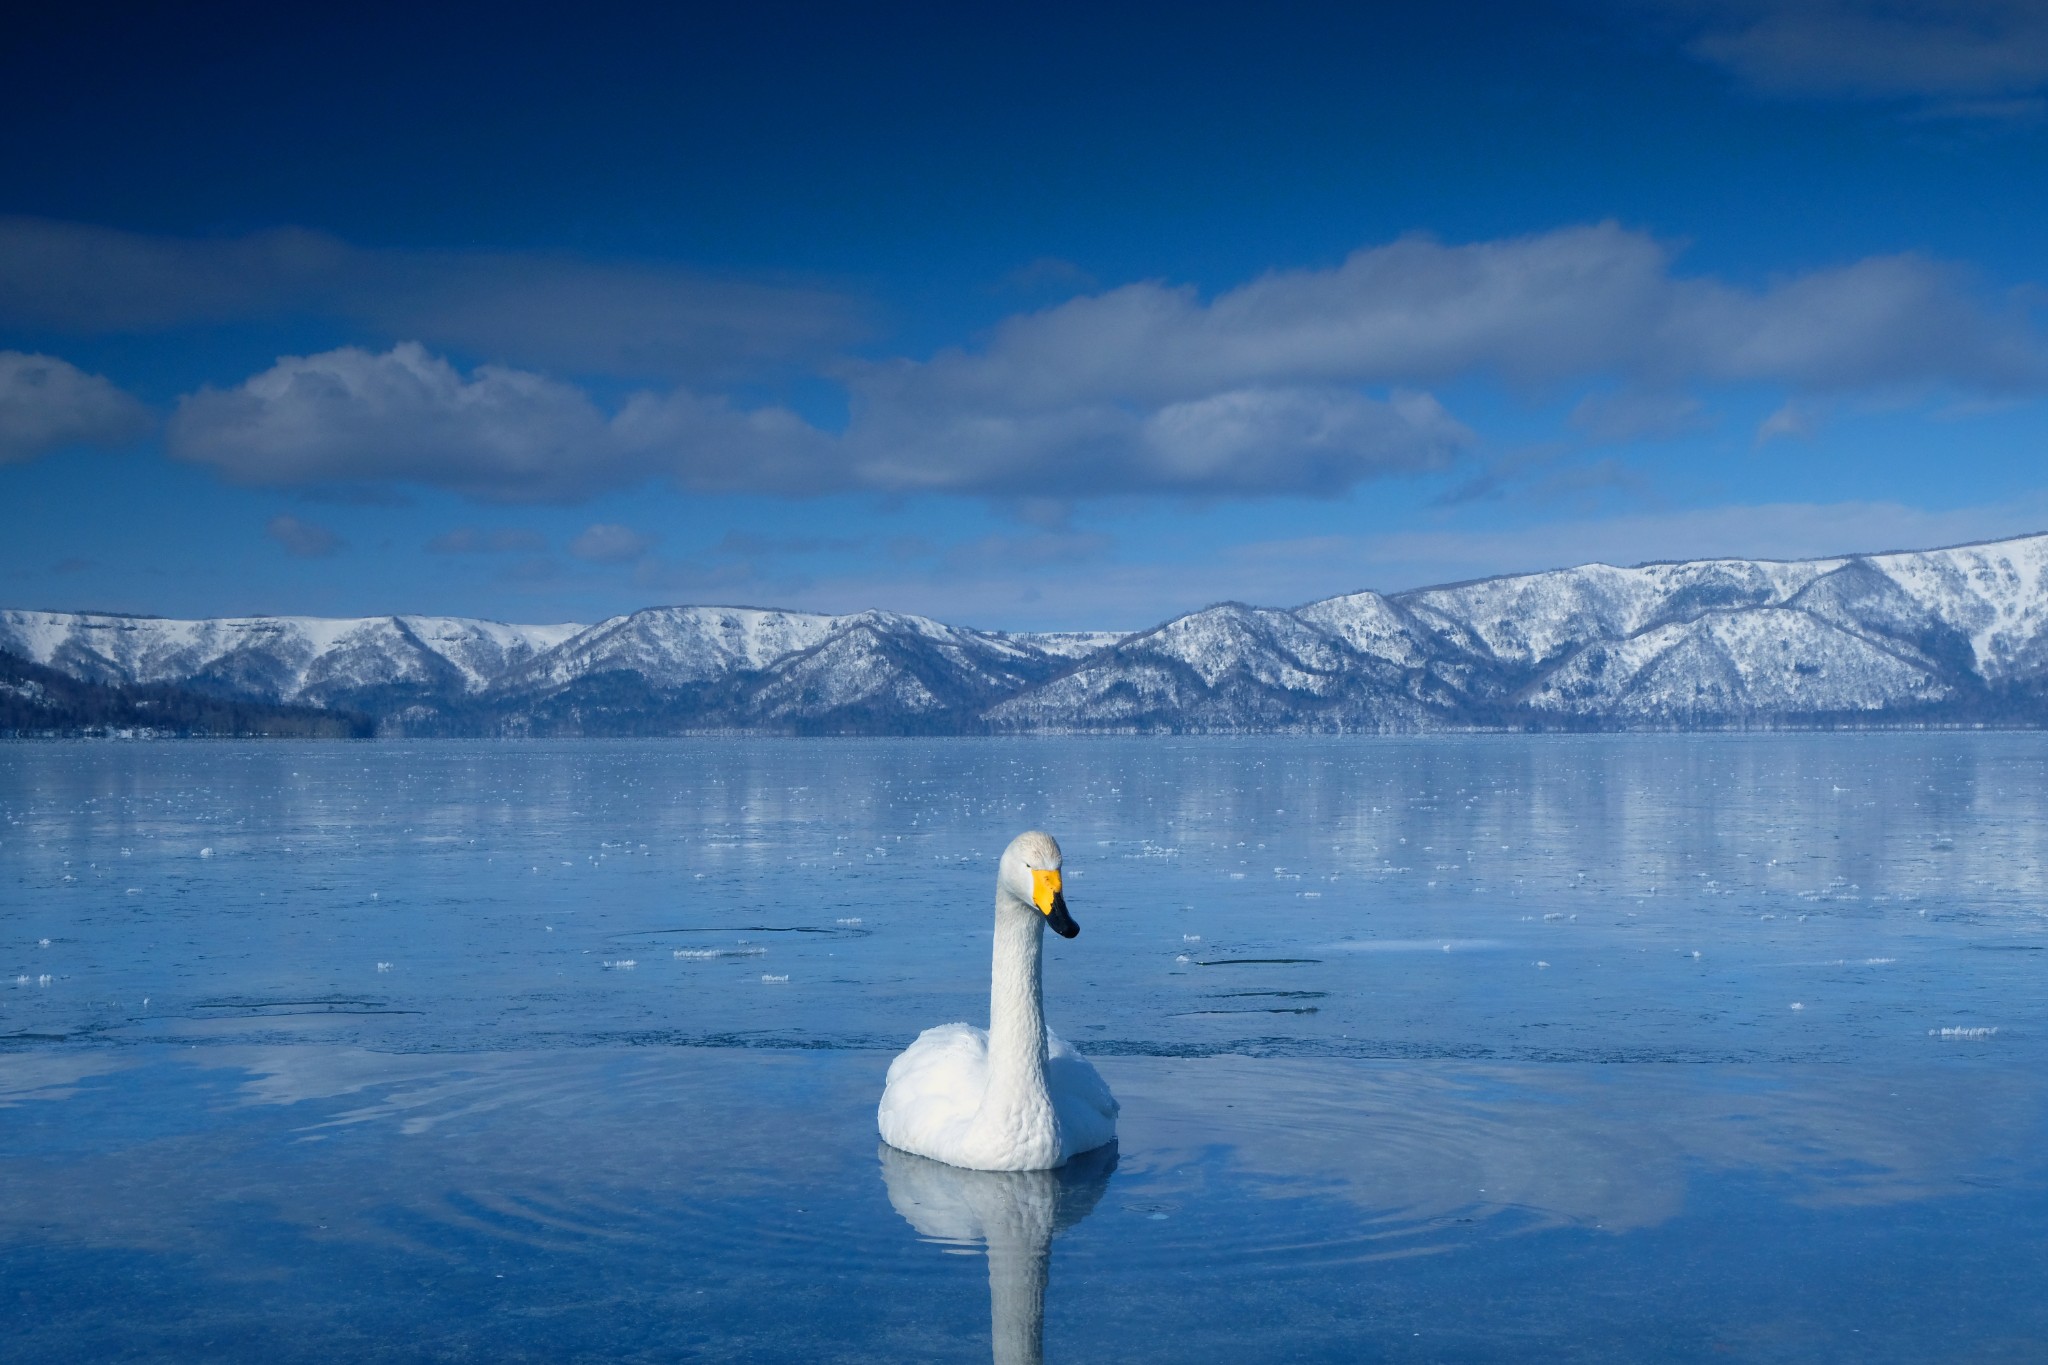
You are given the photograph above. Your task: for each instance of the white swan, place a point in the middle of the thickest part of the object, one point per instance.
(1015, 1097)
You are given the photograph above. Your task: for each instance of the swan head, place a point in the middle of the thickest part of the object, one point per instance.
(1030, 873)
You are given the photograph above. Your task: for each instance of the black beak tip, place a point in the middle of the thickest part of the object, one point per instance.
(1061, 922)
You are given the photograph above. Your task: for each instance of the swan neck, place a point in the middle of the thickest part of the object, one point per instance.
(1016, 1014)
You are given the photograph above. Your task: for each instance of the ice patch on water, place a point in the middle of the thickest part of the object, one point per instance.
(624, 964)
(770, 979)
(1964, 1032)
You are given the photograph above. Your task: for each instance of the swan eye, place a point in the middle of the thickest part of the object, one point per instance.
(1045, 889)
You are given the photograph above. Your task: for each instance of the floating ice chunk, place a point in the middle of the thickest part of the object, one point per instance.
(1411, 945)
(1962, 1033)
(1798, 1005)
(769, 979)
(851, 919)
(624, 964)
(1542, 964)
(383, 966)
(132, 891)
(42, 943)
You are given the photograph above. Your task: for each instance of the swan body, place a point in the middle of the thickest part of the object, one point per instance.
(1013, 1096)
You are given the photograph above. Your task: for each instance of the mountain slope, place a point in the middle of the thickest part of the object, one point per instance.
(39, 701)
(1950, 636)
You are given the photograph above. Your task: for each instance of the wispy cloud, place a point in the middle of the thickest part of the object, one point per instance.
(303, 539)
(470, 540)
(610, 543)
(49, 404)
(555, 312)
(1112, 591)
(1962, 58)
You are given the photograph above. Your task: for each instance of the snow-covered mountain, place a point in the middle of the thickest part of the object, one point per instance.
(1956, 635)
(279, 658)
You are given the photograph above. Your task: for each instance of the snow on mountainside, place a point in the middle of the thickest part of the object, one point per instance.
(1955, 636)
(1229, 667)
(277, 658)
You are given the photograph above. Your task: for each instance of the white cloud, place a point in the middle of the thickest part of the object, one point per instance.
(1300, 382)
(610, 543)
(1569, 305)
(350, 415)
(48, 404)
(302, 539)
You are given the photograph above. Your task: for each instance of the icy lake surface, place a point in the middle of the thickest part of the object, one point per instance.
(1458, 1049)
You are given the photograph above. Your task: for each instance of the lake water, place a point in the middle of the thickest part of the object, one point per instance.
(1448, 1049)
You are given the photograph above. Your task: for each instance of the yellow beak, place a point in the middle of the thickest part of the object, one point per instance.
(1045, 888)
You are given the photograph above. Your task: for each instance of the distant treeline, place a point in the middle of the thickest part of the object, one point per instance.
(38, 702)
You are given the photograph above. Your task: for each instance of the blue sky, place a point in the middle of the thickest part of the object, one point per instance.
(1024, 317)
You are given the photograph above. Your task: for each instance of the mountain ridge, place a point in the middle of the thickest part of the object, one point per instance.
(1954, 636)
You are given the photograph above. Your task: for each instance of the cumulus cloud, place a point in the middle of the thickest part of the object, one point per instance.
(610, 543)
(471, 540)
(1299, 382)
(1573, 303)
(351, 415)
(48, 404)
(524, 308)
(1967, 54)
(302, 539)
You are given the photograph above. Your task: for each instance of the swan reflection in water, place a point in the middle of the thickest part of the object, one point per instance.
(1015, 1214)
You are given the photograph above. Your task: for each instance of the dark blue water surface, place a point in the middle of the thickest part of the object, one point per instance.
(1491, 1048)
